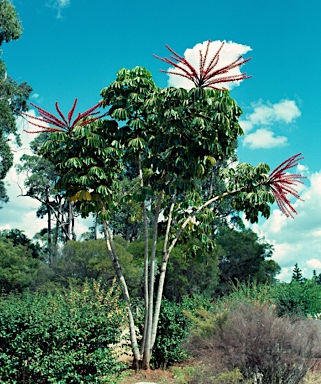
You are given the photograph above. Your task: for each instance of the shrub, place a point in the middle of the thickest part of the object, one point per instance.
(297, 298)
(259, 343)
(62, 338)
(173, 328)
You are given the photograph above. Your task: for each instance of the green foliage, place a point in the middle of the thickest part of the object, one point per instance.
(18, 268)
(244, 258)
(13, 96)
(193, 270)
(297, 274)
(297, 298)
(61, 339)
(231, 377)
(19, 238)
(10, 26)
(173, 328)
(156, 120)
(253, 196)
(80, 260)
(89, 163)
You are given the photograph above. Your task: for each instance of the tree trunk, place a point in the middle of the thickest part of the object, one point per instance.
(115, 261)
(49, 229)
(73, 233)
(69, 221)
(146, 259)
(150, 312)
(162, 275)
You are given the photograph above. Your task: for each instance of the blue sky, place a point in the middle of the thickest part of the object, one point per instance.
(73, 48)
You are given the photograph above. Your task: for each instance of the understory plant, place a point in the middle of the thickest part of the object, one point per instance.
(61, 338)
(252, 338)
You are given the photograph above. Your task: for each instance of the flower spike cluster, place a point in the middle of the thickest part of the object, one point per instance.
(282, 183)
(208, 74)
(62, 124)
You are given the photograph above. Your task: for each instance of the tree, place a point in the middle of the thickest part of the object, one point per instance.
(297, 274)
(316, 278)
(243, 258)
(41, 176)
(19, 238)
(10, 26)
(13, 96)
(18, 268)
(81, 260)
(174, 137)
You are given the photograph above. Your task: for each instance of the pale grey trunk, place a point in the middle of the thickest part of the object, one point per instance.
(165, 257)
(146, 259)
(115, 261)
(69, 221)
(149, 313)
(49, 229)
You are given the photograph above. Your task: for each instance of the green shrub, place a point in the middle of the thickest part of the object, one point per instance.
(62, 338)
(173, 328)
(297, 298)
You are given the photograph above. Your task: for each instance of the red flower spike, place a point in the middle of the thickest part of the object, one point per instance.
(208, 75)
(60, 113)
(71, 112)
(62, 124)
(281, 184)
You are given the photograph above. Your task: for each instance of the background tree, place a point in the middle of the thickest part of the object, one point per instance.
(13, 96)
(10, 26)
(19, 238)
(297, 274)
(316, 278)
(244, 257)
(18, 268)
(81, 260)
(41, 176)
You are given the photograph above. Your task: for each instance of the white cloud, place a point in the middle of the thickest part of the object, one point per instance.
(314, 263)
(264, 138)
(297, 240)
(58, 5)
(230, 52)
(285, 111)
(263, 116)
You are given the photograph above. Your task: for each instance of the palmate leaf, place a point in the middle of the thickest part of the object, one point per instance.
(104, 190)
(137, 143)
(209, 159)
(120, 114)
(136, 123)
(82, 195)
(74, 162)
(93, 141)
(84, 180)
(96, 171)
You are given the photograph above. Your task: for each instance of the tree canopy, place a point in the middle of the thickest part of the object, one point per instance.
(13, 96)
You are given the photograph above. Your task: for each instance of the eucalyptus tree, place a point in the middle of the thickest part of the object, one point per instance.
(40, 179)
(174, 138)
(244, 258)
(13, 96)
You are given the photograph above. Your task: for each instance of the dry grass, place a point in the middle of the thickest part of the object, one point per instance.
(312, 377)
